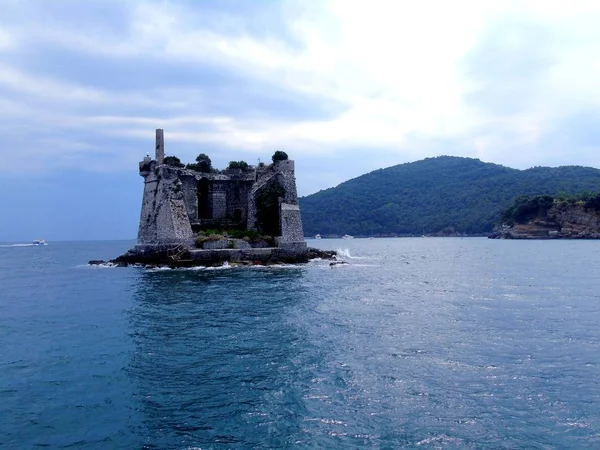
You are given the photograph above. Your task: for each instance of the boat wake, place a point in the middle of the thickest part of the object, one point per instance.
(19, 245)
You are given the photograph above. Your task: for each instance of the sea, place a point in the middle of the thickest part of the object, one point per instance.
(424, 343)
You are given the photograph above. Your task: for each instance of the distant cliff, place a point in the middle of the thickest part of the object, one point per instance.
(547, 217)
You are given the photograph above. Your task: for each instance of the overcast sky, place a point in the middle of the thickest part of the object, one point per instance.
(343, 86)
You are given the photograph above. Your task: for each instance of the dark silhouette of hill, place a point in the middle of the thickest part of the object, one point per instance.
(445, 193)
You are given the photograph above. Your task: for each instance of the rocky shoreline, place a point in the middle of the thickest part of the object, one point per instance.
(539, 232)
(560, 221)
(215, 258)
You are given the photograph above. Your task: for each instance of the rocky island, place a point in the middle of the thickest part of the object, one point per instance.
(548, 217)
(196, 215)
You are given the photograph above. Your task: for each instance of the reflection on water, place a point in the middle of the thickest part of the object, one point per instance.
(214, 355)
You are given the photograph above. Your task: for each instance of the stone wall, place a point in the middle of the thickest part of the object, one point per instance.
(292, 234)
(238, 192)
(219, 200)
(164, 218)
(189, 186)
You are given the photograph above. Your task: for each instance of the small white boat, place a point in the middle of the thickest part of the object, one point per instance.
(347, 236)
(317, 236)
(39, 242)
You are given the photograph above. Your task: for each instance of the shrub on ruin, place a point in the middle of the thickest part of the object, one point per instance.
(173, 161)
(204, 164)
(279, 156)
(243, 165)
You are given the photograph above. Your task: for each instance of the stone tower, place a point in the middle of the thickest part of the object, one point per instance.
(160, 146)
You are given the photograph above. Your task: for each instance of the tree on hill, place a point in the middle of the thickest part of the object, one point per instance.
(428, 196)
(526, 208)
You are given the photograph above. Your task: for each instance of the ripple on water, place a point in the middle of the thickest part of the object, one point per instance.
(429, 343)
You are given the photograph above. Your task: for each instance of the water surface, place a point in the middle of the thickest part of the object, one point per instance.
(417, 343)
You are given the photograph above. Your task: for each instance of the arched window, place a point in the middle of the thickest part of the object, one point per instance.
(204, 203)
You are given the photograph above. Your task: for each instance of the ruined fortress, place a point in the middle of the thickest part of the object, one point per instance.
(179, 202)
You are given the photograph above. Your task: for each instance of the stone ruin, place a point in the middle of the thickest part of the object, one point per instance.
(179, 202)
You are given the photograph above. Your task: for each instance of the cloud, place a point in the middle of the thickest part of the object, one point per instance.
(335, 80)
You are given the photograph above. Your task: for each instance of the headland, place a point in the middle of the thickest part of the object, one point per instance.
(548, 217)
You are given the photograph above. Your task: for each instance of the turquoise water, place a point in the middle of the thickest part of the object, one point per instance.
(417, 343)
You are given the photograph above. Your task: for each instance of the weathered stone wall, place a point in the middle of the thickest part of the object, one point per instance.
(164, 218)
(219, 200)
(287, 178)
(189, 186)
(268, 176)
(237, 198)
(226, 243)
(290, 225)
(292, 234)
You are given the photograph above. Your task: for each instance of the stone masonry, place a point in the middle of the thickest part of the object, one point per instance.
(177, 202)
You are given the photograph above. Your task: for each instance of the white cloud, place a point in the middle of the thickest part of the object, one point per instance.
(399, 69)
(7, 41)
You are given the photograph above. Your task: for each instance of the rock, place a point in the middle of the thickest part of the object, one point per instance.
(96, 262)
(337, 263)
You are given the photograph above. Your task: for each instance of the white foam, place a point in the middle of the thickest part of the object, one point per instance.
(158, 269)
(344, 252)
(107, 265)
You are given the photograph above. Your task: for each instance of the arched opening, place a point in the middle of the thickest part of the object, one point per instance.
(237, 214)
(267, 209)
(204, 204)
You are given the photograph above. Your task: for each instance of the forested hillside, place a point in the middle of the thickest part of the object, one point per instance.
(433, 195)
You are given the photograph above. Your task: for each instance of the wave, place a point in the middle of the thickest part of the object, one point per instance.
(107, 265)
(344, 252)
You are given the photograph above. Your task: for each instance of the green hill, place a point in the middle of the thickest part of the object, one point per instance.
(434, 194)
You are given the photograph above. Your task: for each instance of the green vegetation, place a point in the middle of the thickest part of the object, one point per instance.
(250, 236)
(173, 161)
(434, 194)
(201, 238)
(279, 156)
(203, 164)
(238, 165)
(526, 208)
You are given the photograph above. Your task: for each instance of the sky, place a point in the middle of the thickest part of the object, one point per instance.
(343, 86)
